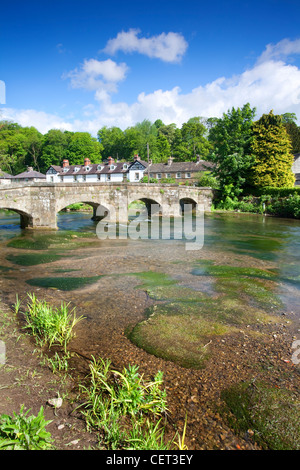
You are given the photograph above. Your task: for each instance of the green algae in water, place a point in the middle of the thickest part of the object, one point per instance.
(31, 259)
(271, 413)
(38, 241)
(246, 283)
(210, 269)
(153, 279)
(182, 340)
(175, 293)
(63, 283)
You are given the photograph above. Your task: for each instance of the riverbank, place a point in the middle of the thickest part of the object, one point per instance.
(237, 358)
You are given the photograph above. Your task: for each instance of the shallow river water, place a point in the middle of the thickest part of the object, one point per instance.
(249, 265)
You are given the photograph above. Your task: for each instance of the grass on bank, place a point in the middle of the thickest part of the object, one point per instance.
(127, 410)
(23, 432)
(50, 326)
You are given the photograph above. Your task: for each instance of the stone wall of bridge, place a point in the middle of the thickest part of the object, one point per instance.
(39, 204)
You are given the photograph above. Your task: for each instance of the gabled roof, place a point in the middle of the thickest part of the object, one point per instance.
(4, 175)
(175, 167)
(93, 169)
(30, 174)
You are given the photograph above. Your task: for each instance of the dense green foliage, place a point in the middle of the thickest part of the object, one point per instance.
(272, 152)
(231, 138)
(23, 432)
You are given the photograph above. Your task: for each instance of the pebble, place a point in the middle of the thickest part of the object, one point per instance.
(56, 402)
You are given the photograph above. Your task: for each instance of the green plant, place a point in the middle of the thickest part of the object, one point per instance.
(122, 405)
(50, 325)
(23, 432)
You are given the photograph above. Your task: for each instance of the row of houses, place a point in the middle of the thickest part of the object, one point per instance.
(113, 171)
(116, 171)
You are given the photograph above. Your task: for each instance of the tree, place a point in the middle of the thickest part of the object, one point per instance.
(272, 152)
(193, 134)
(33, 143)
(54, 148)
(82, 145)
(230, 137)
(112, 140)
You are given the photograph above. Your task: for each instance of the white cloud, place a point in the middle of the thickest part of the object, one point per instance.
(168, 47)
(281, 50)
(39, 119)
(269, 84)
(95, 74)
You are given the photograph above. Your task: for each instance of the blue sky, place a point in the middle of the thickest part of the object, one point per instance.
(80, 65)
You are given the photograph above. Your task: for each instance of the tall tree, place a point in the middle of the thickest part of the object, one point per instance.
(112, 140)
(82, 145)
(231, 137)
(193, 134)
(54, 148)
(272, 152)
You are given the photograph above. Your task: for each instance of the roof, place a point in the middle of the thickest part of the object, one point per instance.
(4, 175)
(30, 174)
(93, 169)
(175, 167)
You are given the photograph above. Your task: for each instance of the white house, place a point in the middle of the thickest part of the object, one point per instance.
(109, 171)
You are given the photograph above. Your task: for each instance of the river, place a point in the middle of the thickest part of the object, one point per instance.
(155, 303)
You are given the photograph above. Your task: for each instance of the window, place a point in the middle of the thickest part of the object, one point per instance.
(158, 176)
(188, 175)
(136, 176)
(98, 177)
(87, 168)
(112, 167)
(99, 167)
(125, 166)
(168, 175)
(151, 175)
(75, 177)
(178, 174)
(108, 177)
(84, 178)
(66, 169)
(51, 179)
(76, 169)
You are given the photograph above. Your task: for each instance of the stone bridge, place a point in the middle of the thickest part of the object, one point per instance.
(39, 203)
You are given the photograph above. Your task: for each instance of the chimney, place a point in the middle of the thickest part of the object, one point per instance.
(136, 157)
(65, 163)
(110, 160)
(29, 168)
(87, 161)
(198, 159)
(170, 160)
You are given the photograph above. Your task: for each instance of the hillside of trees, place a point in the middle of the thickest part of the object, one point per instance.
(246, 151)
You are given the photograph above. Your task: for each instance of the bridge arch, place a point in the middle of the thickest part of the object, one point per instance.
(97, 207)
(187, 203)
(26, 219)
(152, 206)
